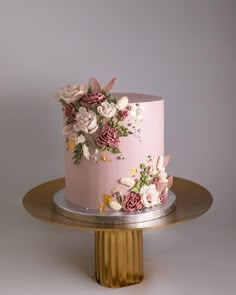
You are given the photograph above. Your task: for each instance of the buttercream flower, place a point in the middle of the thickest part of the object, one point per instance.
(69, 132)
(160, 163)
(132, 202)
(70, 112)
(115, 205)
(86, 152)
(149, 196)
(163, 176)
(71, 93)
(122, 103)
(163, 195)
(107, 136)
(92, 98)
(157, 182)
(136, 111)
(123, 114)
(80, 139)
(86, 121)
(107, 109)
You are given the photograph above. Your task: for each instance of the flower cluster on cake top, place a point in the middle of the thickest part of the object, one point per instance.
(148, 190)
(95, 120)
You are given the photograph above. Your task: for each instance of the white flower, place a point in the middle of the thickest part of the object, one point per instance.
(163, 176)
(149, 196)
(122, 103)
(71, 93)
(107, 109)
(86, 152)
(80, 139)
(136, 111)
(127, 181)
(115, 205)
(86, 121)
(69, 132)
(160, 163)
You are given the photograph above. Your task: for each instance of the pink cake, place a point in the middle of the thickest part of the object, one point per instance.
(114, 148)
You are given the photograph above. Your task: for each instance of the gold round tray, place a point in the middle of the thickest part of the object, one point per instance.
(119, 247)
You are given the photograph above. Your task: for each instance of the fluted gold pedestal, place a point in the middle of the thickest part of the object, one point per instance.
(119, 247)
(119, 258)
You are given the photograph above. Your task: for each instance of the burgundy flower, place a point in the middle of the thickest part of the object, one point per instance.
(107, 136)
(123, 114)
(92, 98)
(70, 113)
(163, 196)
(132, 202)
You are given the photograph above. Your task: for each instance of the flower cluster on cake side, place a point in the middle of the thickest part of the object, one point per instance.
(148, 190)
(94, 120)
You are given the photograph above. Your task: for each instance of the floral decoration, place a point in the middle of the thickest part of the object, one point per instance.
(94, 121)
(147, 191)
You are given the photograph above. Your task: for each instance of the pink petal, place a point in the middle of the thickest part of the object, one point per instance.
(161, 187)
(170, 181)
(109, 85)
(166, 160)
(93, 83)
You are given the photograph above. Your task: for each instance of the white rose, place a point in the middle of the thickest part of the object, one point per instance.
(122, 103)
(86, 152)
(149, 196)
(115, 205)
(107, 109)
(80, 139)
(71, 93)
(86, 121)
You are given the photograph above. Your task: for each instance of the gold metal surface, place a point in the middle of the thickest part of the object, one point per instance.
(192, 201)
(119, 258)
(119, 248)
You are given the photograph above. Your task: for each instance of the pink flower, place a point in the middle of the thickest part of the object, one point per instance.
(158, 183)
(70, 112)
(163, 196)
(92, 98)
(108, 136)
(132, 202)
(123, 114)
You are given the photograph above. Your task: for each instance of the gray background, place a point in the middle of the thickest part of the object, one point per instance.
(182, 50)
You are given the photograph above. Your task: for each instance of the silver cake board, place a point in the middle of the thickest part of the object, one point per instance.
(69, 210)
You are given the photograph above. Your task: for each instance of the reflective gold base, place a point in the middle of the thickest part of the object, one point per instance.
(119, 247)
(119, 258)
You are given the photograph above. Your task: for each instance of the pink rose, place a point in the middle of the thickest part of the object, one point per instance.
(132, 202)
(108, 136)
(163, 196)
(123, 114)
(92, 98)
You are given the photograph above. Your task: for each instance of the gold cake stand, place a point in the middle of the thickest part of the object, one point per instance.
(119, 247)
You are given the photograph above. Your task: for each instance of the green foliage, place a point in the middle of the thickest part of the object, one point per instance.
(116, 151)
(137, 187)
(77, 105)
(119, 199)
(89, 89)
(113, 150)
(78, 152)
(62, 102)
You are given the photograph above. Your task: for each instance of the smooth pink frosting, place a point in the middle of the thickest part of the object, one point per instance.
(87, 182)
